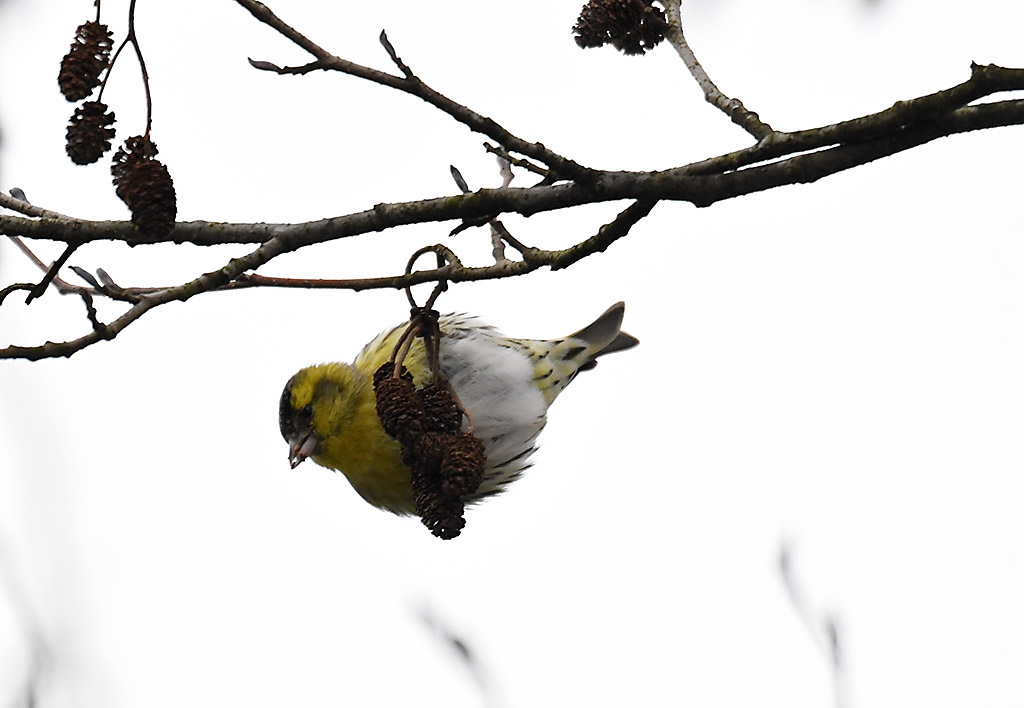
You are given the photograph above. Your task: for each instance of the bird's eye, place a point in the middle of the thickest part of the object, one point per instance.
(307, 411)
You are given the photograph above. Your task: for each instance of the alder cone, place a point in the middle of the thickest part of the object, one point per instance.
(145, 186)
(89, 55)
(89, 133)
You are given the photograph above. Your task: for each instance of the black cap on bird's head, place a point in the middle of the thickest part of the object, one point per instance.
(297, 426)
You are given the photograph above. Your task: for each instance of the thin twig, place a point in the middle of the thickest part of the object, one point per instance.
(14, 287)
(505, 169)
(14, 589)
(107, 287)
(50, 274)
(408, 83)
(732, 107)
(406, 71)
(16, 201)
(498, 230)
(497, 243)
(823, 629)
(605, 237)
(142, 66)
(517, 161)
(466, 655)
(527, 252)
(444, 256)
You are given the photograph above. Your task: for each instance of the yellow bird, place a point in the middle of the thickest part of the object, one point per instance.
(328, 412)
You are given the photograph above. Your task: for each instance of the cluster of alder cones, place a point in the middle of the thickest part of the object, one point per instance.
(447, 463)
(143, 182)
(140, 180)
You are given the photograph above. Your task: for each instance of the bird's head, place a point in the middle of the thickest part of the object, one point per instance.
(314, 404)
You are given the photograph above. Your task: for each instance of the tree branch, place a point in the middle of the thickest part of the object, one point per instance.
(777, 159)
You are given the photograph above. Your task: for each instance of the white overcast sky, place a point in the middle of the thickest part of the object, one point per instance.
(837, 365)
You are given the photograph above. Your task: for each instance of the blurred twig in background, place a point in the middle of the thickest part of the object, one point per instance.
(15, 594)
(822, 626)
(491, 697)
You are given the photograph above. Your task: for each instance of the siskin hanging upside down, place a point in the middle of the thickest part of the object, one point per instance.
(328, 412)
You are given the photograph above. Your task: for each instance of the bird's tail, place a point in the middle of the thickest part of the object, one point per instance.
(605, 335)
(558, 361)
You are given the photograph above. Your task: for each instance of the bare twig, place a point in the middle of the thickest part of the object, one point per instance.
(823, 629)
(15, 591)
(62, 286)
(465, 654)
(605, 237)
(408, 83)
(50, 274)
(14, 287)
(497, 243)
(406, 71)
(517, 161)
(511, 240)
(505, 168)
(16, 201)
(498, 230)
(732, 107)
(132, 39)
(105, 287)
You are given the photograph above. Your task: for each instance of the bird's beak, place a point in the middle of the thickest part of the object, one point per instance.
(301, 447)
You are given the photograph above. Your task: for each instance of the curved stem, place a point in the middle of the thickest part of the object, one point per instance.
(142, 66)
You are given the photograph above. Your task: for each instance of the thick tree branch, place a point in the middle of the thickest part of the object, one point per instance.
(985, 81)
(944, 111)
(676, 184)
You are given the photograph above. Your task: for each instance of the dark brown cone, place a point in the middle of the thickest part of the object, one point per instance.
(89, 133)
(398, 407)
(89, 55)
(442, 410)
(631, 26)
(462, 469)
(145, 185)
(438, 512)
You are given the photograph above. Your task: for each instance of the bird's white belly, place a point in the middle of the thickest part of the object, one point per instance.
(496, 386)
